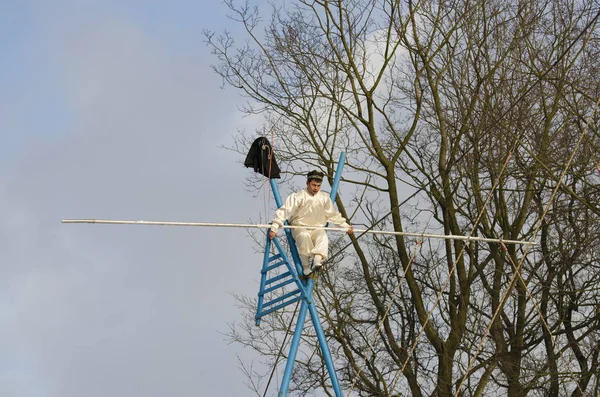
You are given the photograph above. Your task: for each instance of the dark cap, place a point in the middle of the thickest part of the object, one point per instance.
(315, 175)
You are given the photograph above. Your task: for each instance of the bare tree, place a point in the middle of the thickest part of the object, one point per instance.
(461, 117)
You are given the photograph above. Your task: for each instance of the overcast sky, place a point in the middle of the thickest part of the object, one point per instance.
(109, 109)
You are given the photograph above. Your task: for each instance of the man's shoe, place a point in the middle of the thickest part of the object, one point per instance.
(317, 262)
(306, 271)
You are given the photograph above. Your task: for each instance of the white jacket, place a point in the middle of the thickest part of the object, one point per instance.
(302, 209)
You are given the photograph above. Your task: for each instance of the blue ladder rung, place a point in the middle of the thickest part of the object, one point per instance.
(280, 279)
(269, 268)
(273, 288)
(272, 280)
(277, 307)
(282, 297)
(284, 304)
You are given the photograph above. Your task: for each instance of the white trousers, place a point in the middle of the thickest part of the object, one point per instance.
(311, 242)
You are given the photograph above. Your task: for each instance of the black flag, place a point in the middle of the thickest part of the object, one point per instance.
(262, 158)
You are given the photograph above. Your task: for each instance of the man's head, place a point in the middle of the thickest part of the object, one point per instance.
(313, 181)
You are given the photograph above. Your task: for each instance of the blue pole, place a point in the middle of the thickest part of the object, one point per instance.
(338, 176)
(263, 278)
(313, 310)
(288, 232)
(324, 346)
(276, 193)
(289, 366)
(307, 303)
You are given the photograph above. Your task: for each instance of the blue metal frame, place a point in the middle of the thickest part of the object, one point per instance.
(268, 284)
(306, 296)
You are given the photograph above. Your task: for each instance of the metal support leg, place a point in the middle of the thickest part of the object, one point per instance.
(307, 303)
(323, 344)
(289, 366)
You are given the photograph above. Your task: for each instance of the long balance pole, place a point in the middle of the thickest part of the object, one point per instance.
(267, 226)
(308, 303)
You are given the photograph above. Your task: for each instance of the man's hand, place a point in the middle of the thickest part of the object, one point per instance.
(350, 231)
(272, 234)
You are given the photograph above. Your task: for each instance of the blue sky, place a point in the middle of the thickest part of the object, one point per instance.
(109, 109)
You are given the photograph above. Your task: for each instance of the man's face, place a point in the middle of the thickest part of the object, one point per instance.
(313, 186)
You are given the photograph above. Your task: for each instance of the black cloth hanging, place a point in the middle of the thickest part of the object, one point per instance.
(262, 159)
